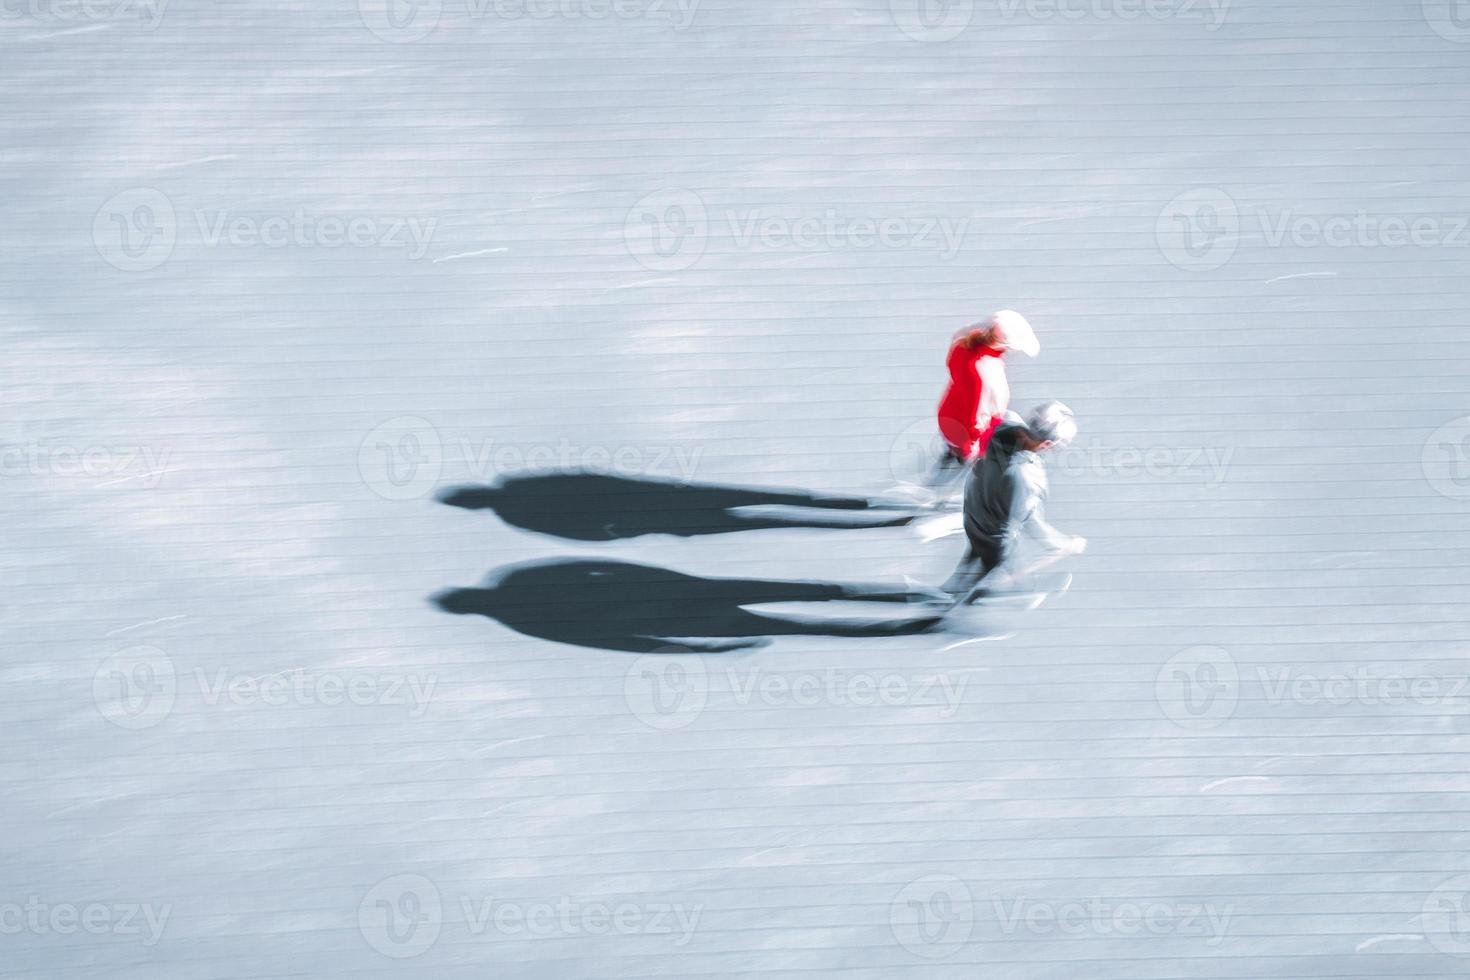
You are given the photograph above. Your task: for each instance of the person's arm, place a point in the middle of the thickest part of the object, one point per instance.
(995, 390)
(1027, 504)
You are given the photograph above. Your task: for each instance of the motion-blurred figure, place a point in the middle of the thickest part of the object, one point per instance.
(978, 395)
(1004, 497)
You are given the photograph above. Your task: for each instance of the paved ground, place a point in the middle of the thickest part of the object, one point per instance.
(275, 273)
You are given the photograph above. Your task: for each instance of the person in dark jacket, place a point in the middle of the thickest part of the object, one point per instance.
(1004, 496)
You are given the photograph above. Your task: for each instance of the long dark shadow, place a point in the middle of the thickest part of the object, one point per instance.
(615, 605)
(586, 506)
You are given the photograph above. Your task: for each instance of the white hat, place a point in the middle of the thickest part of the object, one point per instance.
(1015, 332)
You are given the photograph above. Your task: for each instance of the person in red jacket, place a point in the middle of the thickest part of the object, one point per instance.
(978, 395)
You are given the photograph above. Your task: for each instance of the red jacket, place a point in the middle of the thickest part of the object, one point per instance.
(966, 433)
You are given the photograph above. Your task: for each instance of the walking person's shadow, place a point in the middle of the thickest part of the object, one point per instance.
(615, 605)
(602, 507)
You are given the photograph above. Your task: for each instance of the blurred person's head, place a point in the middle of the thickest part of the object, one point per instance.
(1005, 330)
(1048, 425)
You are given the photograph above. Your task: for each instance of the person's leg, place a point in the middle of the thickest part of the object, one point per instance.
(949, 467)
(979, 561)
(965, 575)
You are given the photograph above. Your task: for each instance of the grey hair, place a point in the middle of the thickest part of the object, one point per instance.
(1052, 422)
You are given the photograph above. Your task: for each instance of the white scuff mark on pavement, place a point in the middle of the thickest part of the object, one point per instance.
(765, 850)
(1412, 937)
(504, 742)
(276, 673)
(1303, 275)
(642, 282)
(470, 255)
(217, 158)
(1233, 779)
(151, 622)
(80, 804)
(75, 30)
(137, 476)
(977, 639)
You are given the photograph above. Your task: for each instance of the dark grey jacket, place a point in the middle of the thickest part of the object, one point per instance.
(1004, 496)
